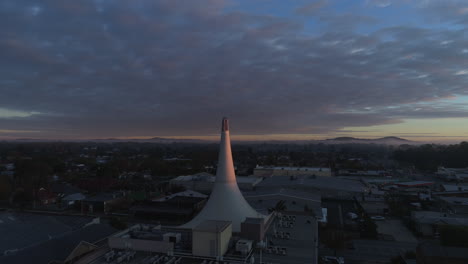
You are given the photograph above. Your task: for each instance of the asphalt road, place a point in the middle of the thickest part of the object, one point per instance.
(375, 251)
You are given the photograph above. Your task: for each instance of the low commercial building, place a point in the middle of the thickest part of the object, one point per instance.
(453, 174)
(102, 202)
(291, 171)
(187, 193)
(322, 185)
(457, 205)
(428, 222)
(72, 200)
(203, 182)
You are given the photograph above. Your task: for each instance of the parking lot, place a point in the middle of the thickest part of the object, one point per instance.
(293, 241)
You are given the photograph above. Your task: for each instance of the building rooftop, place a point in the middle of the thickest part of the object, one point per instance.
(313, 197)
(212, 226)
(295, 168)
(27, 236)
(59, 248)
(455, 200)
(103, 197)
(317, 183)
(206, 177)
(64, 188)
(414, 183)
(432, 217)
(74, 197)
(187, 193)
(454, 188)
(22, 230)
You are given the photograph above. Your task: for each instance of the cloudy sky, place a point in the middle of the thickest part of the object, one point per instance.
(279, 69)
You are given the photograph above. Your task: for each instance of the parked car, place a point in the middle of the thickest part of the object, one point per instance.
(378, 218)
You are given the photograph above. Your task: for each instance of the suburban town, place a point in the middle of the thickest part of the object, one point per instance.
(127, 202)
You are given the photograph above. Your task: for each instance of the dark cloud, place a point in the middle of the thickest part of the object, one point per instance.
(145, 67)
(311, 8)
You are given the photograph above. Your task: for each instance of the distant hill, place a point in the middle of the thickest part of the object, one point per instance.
(384, 140)
(162, 140)
(393, 138)
(159, 140)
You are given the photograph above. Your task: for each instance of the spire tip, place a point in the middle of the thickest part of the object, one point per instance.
(225, 124)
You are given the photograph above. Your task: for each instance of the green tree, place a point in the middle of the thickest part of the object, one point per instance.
(454, 236)
(280, 206)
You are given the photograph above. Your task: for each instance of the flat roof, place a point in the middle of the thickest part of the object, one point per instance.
(212, 226)
(44, 238)
(21, 230)
(60, 248)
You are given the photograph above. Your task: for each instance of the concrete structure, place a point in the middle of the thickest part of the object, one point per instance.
(211, 238)
(291, 171)
(226, 202)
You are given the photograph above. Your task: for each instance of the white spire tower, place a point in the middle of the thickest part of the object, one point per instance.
(226, 202)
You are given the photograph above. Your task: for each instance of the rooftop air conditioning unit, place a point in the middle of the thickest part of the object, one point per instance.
(244, 246)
